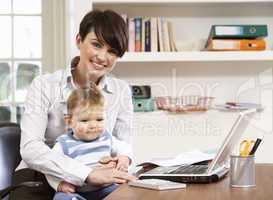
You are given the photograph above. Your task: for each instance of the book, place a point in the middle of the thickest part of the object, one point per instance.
(160, 34)
(157, 184)
(138, 31)
(171, 36)
(249, 31)
(143, 20)
(154, 35)
(131, 28)
(166, 38)
(235, 45)
(147, 34)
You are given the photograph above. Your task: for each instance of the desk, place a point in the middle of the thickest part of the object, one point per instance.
(214, 191)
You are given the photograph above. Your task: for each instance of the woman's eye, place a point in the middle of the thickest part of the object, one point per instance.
(100, 119)
(84, 120)
(96, 44)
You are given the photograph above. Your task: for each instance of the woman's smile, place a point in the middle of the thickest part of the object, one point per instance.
(97, 66)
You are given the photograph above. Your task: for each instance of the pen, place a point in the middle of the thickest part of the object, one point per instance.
(255, 146)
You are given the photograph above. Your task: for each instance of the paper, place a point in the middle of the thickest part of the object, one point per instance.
(186, 158)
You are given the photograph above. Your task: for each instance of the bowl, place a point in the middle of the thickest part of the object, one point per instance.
(189, 103)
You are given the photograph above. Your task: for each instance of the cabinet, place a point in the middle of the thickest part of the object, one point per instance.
(228, 76)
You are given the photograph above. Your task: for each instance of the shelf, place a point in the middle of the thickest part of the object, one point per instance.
(197, 56)
(177, 1)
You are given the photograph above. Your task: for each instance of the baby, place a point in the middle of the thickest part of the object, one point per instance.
(88, 142)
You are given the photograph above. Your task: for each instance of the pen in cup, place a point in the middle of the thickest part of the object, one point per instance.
(255, 146)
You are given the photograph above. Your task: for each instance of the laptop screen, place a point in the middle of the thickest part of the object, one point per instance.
(231, 139)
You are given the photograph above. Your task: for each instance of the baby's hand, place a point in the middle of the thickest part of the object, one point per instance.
(120, 162)
(108, 161)
(66, 187)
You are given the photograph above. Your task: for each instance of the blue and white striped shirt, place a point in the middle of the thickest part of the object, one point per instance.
(86, 152)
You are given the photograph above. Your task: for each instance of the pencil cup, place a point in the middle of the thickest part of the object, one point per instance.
(242, 171)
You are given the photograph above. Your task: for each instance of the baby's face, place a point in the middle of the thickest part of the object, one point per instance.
(87, 124)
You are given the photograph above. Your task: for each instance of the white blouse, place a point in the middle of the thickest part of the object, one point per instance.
(42, 122)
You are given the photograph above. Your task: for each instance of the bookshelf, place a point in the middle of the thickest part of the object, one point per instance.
(244, 76)
(197, 16)
(197, 56)
(191, 21)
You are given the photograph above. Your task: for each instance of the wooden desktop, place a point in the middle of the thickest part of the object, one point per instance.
(219, 190)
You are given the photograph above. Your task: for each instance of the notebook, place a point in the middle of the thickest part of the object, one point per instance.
(206, 173)
(157, 184)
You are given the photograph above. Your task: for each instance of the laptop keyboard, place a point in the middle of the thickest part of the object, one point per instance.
(190, 169)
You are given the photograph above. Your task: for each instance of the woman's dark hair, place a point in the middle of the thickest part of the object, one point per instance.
(109, 27)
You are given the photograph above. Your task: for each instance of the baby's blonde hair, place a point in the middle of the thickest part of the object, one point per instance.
(87, 97)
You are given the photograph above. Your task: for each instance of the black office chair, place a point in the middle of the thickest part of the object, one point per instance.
(10, 157)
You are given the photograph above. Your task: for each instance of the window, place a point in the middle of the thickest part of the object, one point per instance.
(20, 53)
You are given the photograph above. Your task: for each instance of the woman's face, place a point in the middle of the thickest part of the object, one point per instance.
(96, 58)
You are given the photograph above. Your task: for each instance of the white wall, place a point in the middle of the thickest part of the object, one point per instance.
(245, 82)
(75, 10)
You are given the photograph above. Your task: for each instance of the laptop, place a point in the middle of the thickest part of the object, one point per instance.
(206, 173)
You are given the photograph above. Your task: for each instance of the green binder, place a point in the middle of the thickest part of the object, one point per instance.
(250, 31)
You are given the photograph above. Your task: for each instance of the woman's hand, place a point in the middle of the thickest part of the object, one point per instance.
(123, 163)
(66, 187)
(108, 175)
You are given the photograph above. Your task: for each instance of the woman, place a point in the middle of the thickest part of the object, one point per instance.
(102, 38)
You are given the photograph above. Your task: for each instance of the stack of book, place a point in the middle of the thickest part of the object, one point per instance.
(150, 34)
(237, 38)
